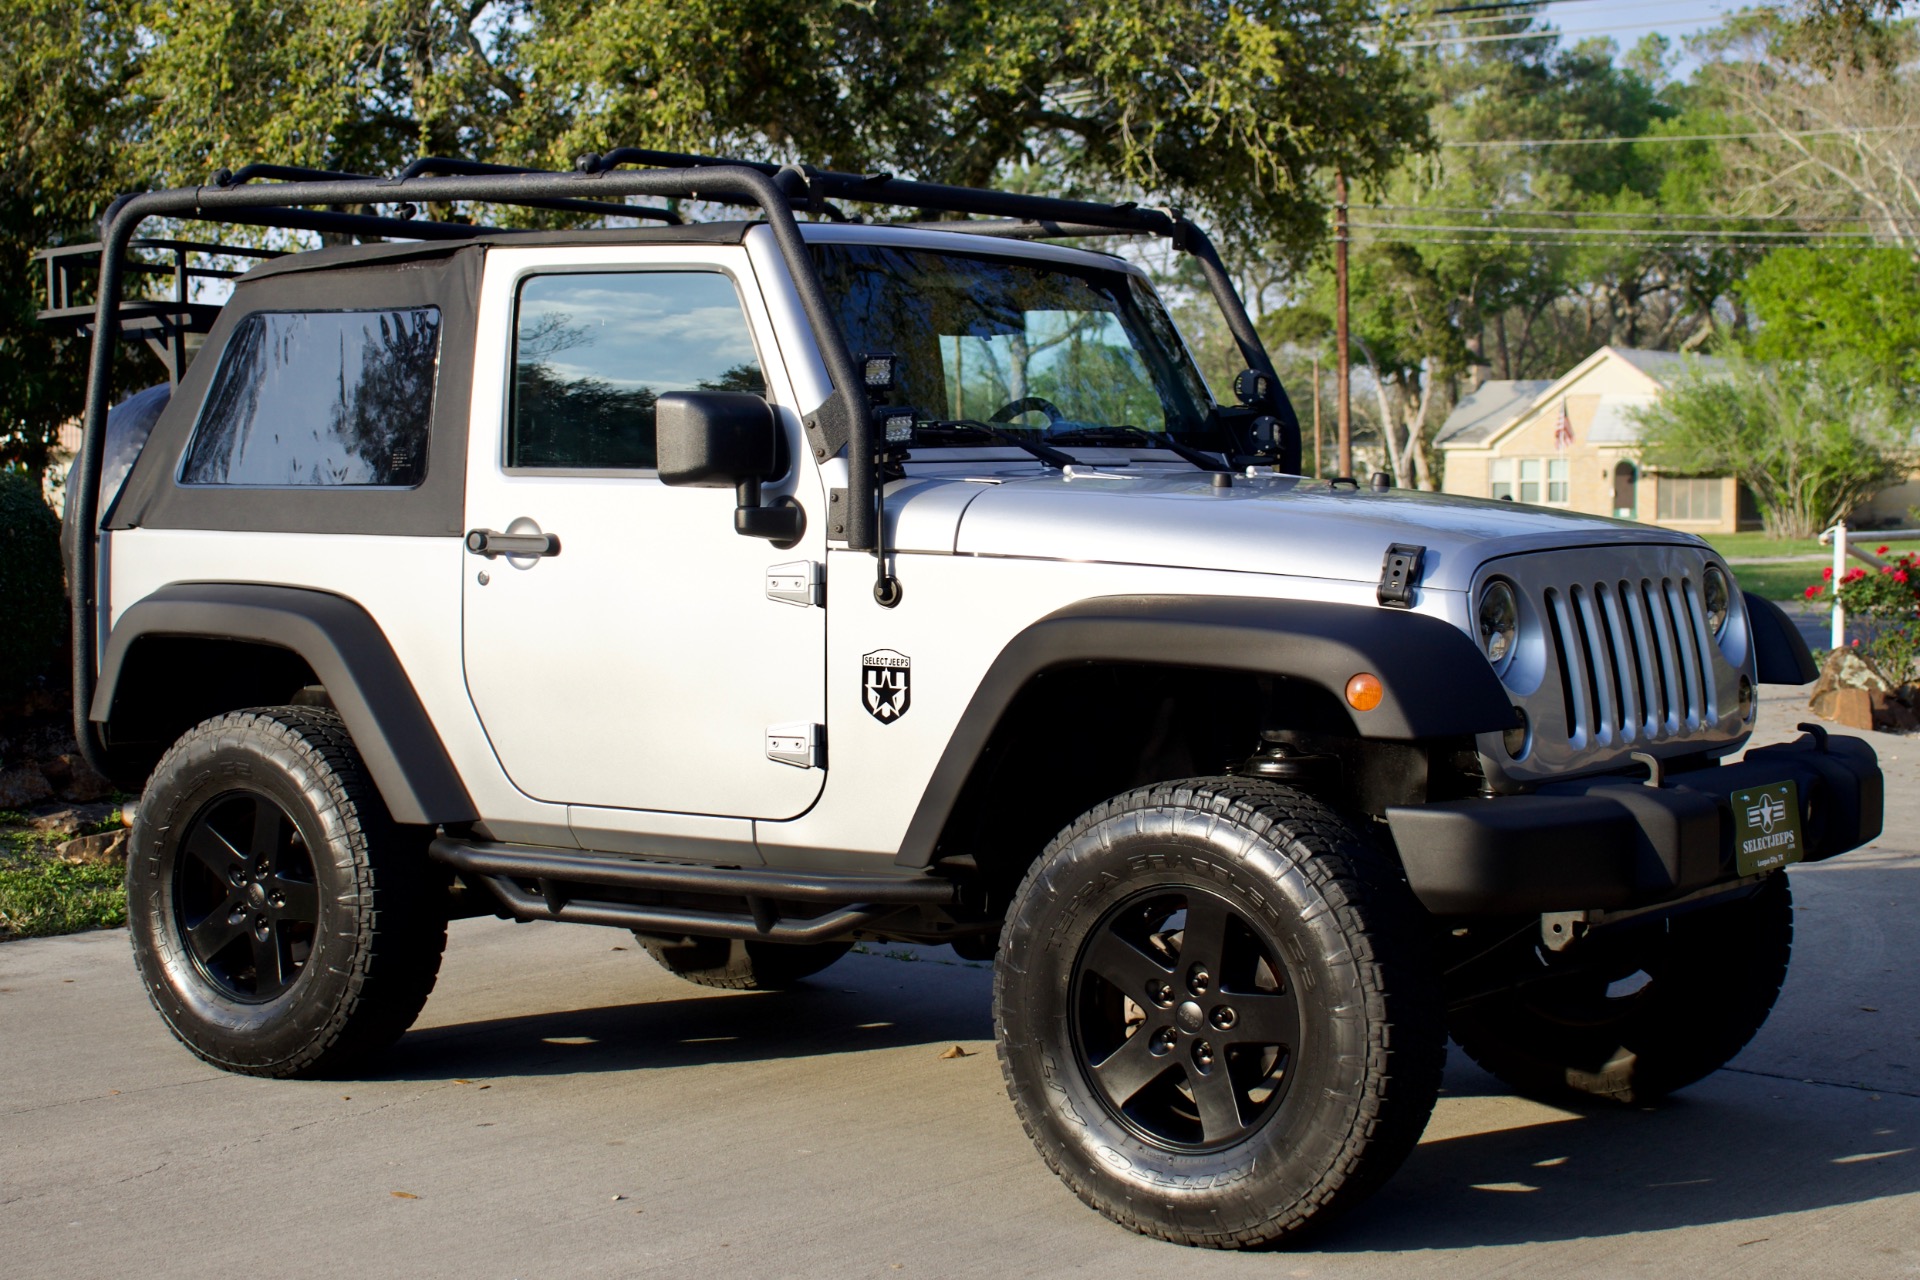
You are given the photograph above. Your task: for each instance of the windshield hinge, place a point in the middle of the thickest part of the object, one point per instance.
(1400, 574)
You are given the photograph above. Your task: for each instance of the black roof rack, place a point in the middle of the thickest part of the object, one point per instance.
(334, 202)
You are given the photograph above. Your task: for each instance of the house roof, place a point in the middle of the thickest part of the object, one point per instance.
(1665, 367)
(1488, 412)
(1613, 420)
(1489, 407)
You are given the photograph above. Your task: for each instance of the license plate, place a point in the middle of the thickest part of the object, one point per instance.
(1766, 828)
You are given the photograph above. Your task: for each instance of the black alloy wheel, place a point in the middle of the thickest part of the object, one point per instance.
(283, 923)
(1186, 1019)
(1216, 1012)
(245, 899)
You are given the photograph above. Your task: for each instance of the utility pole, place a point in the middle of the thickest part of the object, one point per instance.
(1317, 470)
(1342, 375)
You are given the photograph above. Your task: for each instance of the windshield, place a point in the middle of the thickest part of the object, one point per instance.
(1058, 351)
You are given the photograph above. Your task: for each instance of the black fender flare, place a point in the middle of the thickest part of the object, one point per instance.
(1435, 680)
(1780, 652)
(349, 653)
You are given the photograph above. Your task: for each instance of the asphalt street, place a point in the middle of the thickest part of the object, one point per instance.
(564, 1108)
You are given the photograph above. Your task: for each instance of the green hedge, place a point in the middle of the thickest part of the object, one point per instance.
(32, 583)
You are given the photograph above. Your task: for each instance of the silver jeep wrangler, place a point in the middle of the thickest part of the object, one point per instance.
(764, 585)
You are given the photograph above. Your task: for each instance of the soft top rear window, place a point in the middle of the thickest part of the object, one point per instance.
(320, 399)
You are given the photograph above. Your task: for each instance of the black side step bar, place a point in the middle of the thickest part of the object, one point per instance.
(565, 881)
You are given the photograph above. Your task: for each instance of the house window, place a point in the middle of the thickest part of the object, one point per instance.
(1556, 479)
(1689, 497)
(1530, 480)
(1500, 473)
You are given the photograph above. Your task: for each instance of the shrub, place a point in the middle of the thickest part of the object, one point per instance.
(1889, 603)
(32, 583)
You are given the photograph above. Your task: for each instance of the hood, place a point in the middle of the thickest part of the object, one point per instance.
(1279, 524)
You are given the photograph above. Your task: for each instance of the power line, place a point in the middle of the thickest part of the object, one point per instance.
(1547, 33)
(1679, 137)
(1583, 213)
(1682, 243)
(1421, 24)
(1611, 233)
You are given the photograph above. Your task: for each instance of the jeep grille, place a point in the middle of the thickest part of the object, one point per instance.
(1631, 655)
(1614, 658)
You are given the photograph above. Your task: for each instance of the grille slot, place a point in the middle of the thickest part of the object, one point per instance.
(1633, 660)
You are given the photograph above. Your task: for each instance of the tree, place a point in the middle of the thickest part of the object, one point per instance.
(1231, 108)
(1858, 311)
(1810, 441)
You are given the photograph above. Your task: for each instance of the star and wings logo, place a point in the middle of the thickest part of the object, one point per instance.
(886, 680)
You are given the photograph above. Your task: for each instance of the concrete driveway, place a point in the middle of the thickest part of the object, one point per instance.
(564, 1108)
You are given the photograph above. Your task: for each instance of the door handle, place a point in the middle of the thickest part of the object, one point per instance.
(488, 543)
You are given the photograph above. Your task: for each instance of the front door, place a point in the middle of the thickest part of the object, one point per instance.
(644, 661)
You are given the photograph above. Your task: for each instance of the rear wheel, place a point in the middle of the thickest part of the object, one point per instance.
(735, 964)
(1657, 1009)
(1215, 1017)
(283, 924)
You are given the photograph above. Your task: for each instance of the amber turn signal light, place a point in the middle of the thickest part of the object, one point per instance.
(1364, 691)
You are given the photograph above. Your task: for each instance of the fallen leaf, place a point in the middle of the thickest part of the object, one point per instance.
(486, 1086)
(957, 1052)
(403, 1195)
(463, 1082)
(346, 1097)
(616, 948)
(616, 1197)
(1867, 1008)
(113, 1093)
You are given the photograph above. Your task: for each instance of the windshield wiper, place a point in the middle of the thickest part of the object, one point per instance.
(1134, 435)
(1052, 457)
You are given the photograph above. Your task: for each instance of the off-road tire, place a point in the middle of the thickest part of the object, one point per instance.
(356, 977)
(735, 964)
(1711, 979)
(1306, 890)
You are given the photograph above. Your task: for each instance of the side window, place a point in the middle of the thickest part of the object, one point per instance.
(591, 354)
(319, 398)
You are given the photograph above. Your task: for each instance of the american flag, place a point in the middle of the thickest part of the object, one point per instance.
(1563, 430)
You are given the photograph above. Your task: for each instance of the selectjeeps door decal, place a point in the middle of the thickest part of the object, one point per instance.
(886, 681)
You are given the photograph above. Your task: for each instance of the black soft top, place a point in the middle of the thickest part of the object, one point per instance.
(336, 257)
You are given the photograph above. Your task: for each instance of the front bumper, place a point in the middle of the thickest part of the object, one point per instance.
(1614, 842)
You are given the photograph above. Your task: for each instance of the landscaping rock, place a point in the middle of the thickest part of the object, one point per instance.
(22, 787)
(1848, 669)
(83, 784)
(1849, 708)
(109, 848)
(69, 819)
(1891, 714)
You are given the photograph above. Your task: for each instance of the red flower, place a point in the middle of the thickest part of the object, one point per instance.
(1812, 592)
(1856, 644)
(1899, 575)
(1879, 551)
(1827, 572)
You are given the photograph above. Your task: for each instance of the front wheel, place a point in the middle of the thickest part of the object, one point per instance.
(1214, 1015)
(283, 924)
(1653, 1010)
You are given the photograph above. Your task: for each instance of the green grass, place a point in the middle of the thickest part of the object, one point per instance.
(1778, 581)
(1746, 546)
(41, 895)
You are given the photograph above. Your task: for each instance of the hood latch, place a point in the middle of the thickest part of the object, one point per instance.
(1400, 574)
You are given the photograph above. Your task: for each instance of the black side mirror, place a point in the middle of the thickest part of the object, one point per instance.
(717, 439)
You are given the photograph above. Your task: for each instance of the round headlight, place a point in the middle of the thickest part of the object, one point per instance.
(1717, 595)
(1499, 623)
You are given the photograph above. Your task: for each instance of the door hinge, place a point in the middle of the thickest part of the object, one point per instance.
(803, 746)
(799, 582)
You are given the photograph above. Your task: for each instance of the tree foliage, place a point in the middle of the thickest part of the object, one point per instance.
(1232, 107)
(1810, 440)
